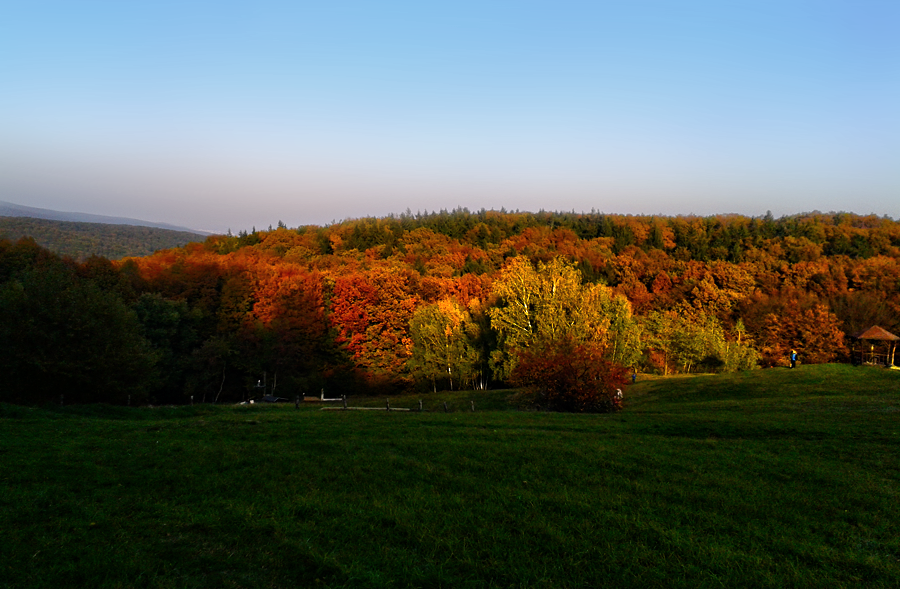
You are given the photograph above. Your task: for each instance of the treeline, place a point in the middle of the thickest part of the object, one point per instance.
(441, 300)
(80, 240)
(729, 238)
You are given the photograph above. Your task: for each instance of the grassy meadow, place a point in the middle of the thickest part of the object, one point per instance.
(775, 478)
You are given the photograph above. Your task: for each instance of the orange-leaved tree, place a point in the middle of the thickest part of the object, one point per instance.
(370, 313)
(815, 332)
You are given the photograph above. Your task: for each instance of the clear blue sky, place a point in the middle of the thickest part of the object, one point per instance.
(221, 115)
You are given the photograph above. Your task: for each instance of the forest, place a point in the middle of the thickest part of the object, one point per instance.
(439, 301)
(80, 240)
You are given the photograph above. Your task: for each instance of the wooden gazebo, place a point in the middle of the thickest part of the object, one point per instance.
(873, 346)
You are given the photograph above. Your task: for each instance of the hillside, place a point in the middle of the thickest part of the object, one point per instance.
(80, 240)
(770, 479)
(8, 209)
(444, 301)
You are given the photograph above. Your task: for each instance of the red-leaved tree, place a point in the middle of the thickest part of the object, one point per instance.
(566, 375)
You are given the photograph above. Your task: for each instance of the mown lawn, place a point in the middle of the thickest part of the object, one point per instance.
(773, 478)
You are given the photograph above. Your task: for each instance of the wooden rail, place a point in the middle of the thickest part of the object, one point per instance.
(387, 407)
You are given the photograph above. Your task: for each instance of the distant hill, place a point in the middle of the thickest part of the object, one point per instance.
(8, 209)
(80, 240)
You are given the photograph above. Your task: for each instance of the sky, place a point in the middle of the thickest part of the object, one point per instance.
(232, 115)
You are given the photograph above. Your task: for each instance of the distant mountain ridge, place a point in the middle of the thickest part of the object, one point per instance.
(81, 240)
(8, 209)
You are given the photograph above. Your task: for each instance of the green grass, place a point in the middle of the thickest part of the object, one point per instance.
(772, 478)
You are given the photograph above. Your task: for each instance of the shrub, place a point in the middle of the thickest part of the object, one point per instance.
(568, 376)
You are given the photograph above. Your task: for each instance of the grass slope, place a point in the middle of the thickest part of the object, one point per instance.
(771, 478)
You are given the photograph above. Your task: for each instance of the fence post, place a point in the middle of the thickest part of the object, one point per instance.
(344, 399)
(388, 403)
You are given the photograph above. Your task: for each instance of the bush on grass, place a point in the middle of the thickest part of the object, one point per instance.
(566, 375)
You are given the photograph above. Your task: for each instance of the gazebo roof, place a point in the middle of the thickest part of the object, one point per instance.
(876, 333)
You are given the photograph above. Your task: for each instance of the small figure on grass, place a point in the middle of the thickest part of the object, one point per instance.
(793, 358)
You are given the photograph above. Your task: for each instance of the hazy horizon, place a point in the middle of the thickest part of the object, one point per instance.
(394, 214)
(217, 116)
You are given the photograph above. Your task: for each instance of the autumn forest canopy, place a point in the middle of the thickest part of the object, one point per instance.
(446, 300)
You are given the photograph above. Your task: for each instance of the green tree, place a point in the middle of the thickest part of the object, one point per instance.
(171, 329)
(696, 342)
(61, 335)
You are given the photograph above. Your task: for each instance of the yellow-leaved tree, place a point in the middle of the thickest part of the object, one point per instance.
(447, 345)
(537, 306)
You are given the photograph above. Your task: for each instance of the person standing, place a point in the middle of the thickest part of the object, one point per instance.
(793, 358)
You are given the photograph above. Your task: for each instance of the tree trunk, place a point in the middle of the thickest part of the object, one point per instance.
(222, 384)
